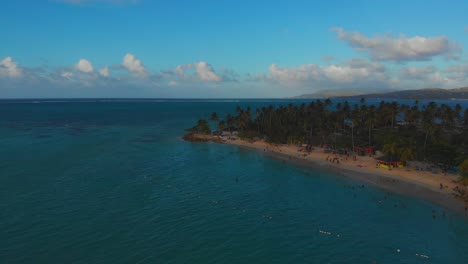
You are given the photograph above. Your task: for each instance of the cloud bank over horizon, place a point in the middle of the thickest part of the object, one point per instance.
(201, 78)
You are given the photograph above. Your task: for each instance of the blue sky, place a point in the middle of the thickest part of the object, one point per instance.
(212, 49)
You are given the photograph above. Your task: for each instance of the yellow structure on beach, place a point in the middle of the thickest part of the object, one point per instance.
(389, 164)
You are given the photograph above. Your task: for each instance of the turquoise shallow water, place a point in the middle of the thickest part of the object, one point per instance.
(113, 183)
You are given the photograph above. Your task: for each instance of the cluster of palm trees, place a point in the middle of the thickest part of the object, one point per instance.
(431, 132)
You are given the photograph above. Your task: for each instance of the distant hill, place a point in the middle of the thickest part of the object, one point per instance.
(339, 93)
(428, 93)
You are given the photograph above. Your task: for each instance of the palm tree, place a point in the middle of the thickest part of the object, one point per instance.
(290, 122)
(229, 121)
(371, 121)
(458, 109)
(214, 116)
(221, 126)
(463, 169)
(465, 117)
(406, 154)
(428, 122)
(447, 116)
(346, 110)
(390, 149)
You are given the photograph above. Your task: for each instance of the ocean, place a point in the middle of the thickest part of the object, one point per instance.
(110, 181)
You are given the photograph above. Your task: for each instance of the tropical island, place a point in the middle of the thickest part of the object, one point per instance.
(392, 145)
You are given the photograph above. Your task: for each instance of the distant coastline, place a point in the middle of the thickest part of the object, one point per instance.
(418, 94)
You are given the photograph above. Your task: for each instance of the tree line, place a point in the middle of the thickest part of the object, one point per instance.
(431, 132)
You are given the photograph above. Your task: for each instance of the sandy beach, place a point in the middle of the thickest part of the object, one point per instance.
(406, 181)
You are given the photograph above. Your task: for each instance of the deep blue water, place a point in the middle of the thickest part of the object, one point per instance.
(111, 182)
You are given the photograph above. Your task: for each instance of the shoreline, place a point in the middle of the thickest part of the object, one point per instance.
(420, 184)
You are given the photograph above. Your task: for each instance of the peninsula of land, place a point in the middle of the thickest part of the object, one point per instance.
(416, 149)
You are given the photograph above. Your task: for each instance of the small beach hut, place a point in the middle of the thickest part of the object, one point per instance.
(387, 163)
(364, 150)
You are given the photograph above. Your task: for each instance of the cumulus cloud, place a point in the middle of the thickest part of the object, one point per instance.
(353, 71)
(134, 65)
(204, 72)
(191, 80)
(458, 72)
(9, 68)
(387, 48)
(181, 70)
(416, 73)
(194, 78)
(84, 65)
(429, 76)
(104, 72)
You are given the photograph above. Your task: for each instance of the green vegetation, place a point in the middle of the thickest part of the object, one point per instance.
(202, 127)
(463, 169)
(432, 132)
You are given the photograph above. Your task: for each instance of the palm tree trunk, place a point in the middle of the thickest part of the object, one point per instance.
(425, 141)
(335, 136)
(392, 119)
(369, 136)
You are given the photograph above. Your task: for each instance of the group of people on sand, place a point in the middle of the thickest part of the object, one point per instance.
(332, 160)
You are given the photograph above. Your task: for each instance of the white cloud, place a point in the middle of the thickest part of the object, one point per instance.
(172, 83)
(458, 72)
(204, 72)
(134, 65)
(366, 76)
(9, 68)
(438, 79)
(104, 72)
(181, 70)
(67, 75)
(350, 72)
(417, 73)
(423, 77)
(400, 49)
(301, 73)
(84, 65)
